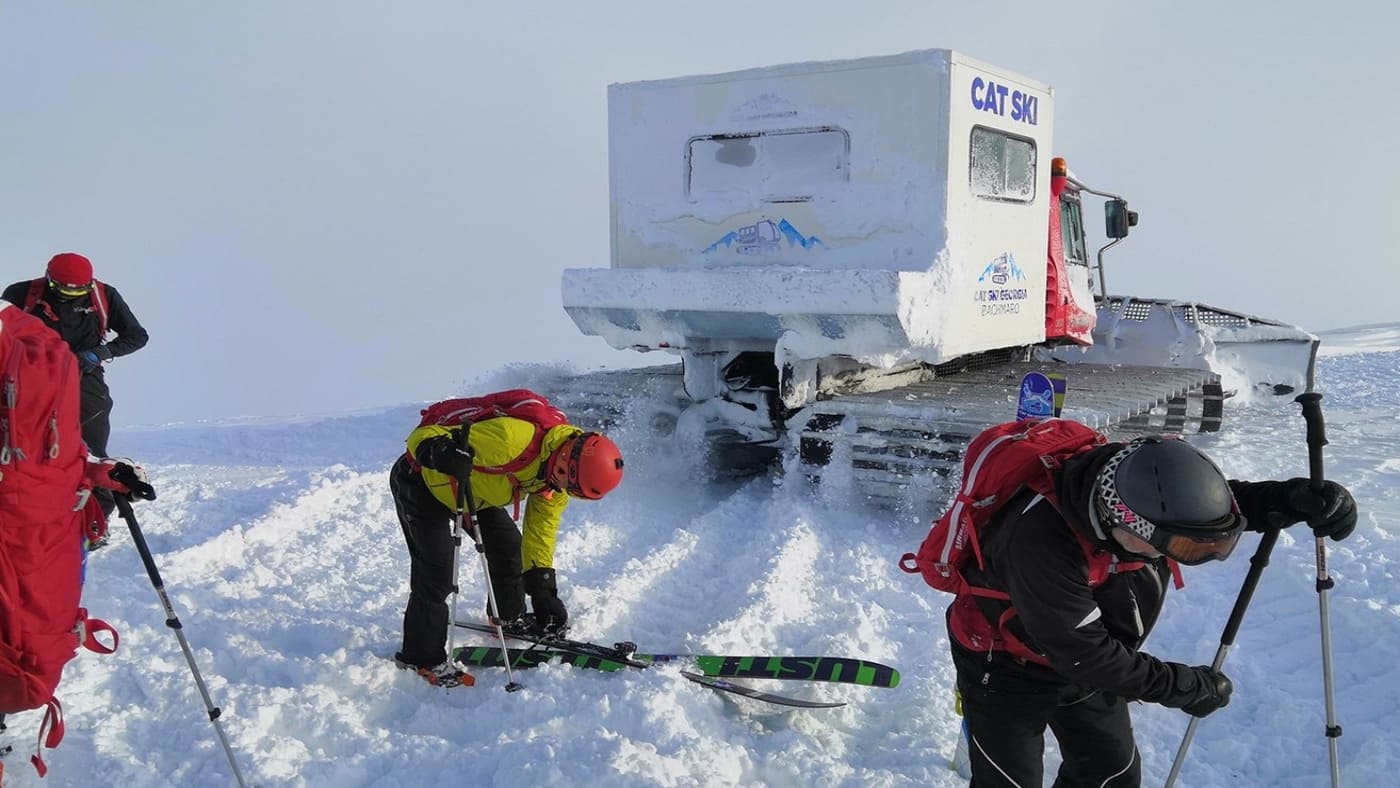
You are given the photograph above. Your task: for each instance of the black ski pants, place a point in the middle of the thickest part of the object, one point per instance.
(1006, 735)
(95, 410)
(427, 528)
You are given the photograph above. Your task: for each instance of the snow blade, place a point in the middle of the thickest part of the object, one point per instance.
(750, 692)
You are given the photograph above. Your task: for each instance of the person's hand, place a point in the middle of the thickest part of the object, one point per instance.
(92, 358)
(445, 455)
(550, 614)
(1212, 689)
(1273, 505)
(1329, 512)
(121, 475)
(133, 478)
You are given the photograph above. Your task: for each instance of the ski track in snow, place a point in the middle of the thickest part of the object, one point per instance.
(279, 549)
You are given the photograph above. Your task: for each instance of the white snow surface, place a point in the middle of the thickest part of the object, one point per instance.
(280, 552)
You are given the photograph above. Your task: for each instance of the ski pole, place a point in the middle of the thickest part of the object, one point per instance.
(1317, 438)
(466, 510)
(173, 621)
(1257, 562)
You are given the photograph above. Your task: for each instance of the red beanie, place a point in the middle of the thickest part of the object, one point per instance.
(70, 269)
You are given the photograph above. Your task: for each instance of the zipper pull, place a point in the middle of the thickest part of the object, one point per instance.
(53, 431)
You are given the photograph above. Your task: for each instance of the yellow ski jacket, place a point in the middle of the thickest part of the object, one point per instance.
(496, 442)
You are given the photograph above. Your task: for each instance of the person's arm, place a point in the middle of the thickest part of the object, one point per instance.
(131, 335)
(16, 293)
(1048, 579)
(540, 528)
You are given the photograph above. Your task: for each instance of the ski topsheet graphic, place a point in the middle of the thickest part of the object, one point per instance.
(715, 671)
(827, 669)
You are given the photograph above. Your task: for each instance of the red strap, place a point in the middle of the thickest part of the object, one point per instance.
(94, 519)
(988, 593)
(99, 302)
(35, 295)
(91, 627)
(531, 453)
(53, 727)
(521, 460)
(972, 539)
(36, 292)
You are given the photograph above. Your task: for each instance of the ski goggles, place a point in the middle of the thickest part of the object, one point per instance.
(70, 290)
(1204, 542)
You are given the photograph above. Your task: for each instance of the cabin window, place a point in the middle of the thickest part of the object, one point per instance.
(1003, 166)
(1072, 231)
(776, 166)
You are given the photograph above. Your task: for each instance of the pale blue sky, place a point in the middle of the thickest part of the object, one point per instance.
(322, 206)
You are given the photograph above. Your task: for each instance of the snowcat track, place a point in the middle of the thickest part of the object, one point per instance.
(609, 399)
(904, 445)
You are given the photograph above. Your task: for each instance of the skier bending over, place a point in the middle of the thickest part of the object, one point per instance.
(1069, 657)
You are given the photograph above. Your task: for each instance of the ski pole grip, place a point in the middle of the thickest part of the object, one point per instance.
(1317, 436)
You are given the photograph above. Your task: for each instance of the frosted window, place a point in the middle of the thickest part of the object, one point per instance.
(775, 166)
(1072, 230)
(1003, 166)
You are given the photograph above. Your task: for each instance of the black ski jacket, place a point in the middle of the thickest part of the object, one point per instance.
(76, 319)
(1090, 636)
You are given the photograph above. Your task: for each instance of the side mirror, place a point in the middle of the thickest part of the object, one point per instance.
(1119, 218)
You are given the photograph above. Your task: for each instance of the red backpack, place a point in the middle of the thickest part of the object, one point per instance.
(520, 404)
(45, 506)
(1000, 462)
(99, 301)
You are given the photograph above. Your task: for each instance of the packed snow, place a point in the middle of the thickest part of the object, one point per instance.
(279, 549)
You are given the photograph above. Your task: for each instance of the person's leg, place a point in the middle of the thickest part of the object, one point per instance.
(432, 554)
(95, 411)
(1095, 733)
(1006, 734)
(502, 540)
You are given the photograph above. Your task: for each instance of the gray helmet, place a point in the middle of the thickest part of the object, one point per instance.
(1169, 494)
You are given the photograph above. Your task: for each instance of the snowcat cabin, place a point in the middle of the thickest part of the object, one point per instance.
(856, 262)
(818, 216)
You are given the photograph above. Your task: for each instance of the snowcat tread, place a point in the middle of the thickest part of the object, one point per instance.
(906, 443)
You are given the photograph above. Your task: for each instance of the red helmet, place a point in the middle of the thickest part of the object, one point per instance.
(70, 270)
(587, 465)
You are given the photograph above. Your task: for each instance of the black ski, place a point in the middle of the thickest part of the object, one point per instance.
(490, 657)
(750, 692)
(838, 670)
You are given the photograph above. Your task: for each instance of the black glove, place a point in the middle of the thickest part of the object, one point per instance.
(1269, 505)
(1199, 690)
(92, 358)
(134, 479)
(445, 455)
(550, 613)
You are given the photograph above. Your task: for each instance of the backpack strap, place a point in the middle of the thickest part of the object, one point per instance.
(35, 297)
(50, 734)
(34, 294)
(99, 303)
(34, 302)
(521, 461)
